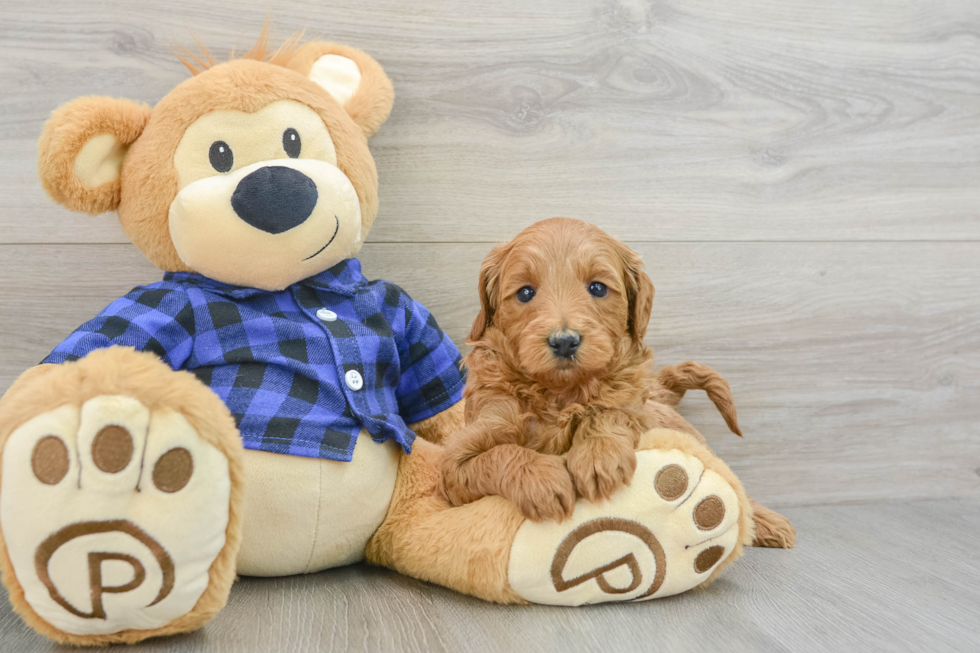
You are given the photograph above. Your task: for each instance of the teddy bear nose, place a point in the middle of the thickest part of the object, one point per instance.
(274, 199)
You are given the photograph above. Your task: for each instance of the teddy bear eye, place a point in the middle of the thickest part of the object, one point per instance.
(291, 143)
(221, 156)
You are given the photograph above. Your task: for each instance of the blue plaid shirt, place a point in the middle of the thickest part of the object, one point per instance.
(281, 369)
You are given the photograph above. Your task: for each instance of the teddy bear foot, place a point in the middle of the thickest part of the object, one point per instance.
(113, 516)
(670, 530)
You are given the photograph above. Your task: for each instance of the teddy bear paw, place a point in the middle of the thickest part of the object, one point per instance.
(112, 516)
(663, 534)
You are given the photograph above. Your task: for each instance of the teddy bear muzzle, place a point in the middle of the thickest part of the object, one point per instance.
(267, 225)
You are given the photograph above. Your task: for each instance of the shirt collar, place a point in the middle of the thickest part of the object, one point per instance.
(343, 278)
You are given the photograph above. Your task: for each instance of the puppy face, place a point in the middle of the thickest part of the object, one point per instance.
(569, 300)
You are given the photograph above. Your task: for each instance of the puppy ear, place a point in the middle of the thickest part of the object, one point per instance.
(639, 293)
(351, 77)
(489, 297)
(82, 147)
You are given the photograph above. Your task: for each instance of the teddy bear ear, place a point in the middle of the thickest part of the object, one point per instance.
(82, 148)
(355, 80)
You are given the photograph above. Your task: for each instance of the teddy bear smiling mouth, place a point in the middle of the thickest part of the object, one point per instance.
(334, 236)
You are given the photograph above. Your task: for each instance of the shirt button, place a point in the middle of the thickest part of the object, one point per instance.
(326, 315)
(354, 380)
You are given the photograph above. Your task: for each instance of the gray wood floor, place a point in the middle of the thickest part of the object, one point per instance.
(885, 576)
(802, 178)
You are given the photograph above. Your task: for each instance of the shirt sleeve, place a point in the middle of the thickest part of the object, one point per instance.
(432, 375)
(157, 318)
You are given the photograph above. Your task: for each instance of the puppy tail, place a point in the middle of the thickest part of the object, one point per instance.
(678, 379)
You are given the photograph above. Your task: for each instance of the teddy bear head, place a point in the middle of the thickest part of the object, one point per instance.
(255, 172)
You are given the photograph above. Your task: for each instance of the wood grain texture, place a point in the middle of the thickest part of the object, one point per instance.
(801, 179)
(668, 119)
(855, 367)
(883, 576)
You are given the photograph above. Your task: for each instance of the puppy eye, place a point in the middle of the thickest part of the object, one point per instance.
(525, 294)
(221, 156)
(598, 289)
(291, 143)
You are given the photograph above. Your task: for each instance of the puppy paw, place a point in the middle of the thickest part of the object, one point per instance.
(452, 491)
(599, 466)
(542, 489)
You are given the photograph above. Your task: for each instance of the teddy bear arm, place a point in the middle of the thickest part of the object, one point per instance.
(157, 318)
(16, 392)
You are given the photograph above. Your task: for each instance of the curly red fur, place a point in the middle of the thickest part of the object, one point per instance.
(678, 379)
(525, 405)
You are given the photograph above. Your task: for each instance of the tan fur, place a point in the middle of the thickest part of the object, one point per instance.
(371, 105)
(466, 548)
(772, 529)
(526, 407)
(441, 425)
(68, 130)
(148, 181)
(258, 52)
(143, 376)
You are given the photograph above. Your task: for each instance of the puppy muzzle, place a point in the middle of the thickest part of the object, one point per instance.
(564, 344)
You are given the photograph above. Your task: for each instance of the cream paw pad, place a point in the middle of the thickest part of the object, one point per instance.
(112, 514)
(662, 535)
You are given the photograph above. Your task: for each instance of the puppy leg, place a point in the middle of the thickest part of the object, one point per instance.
(602, 457)
(488, 458)
(538, 484)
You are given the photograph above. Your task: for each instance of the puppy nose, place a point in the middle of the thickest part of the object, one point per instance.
(274, 199)
(565, 343)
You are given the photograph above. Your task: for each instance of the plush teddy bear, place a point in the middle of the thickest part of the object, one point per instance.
(256, 412)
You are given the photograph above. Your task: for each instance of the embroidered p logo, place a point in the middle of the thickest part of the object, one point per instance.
(596, 529)
(665, 533)
(95, 559)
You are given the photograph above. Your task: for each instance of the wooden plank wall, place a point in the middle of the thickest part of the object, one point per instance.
(802, 178)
